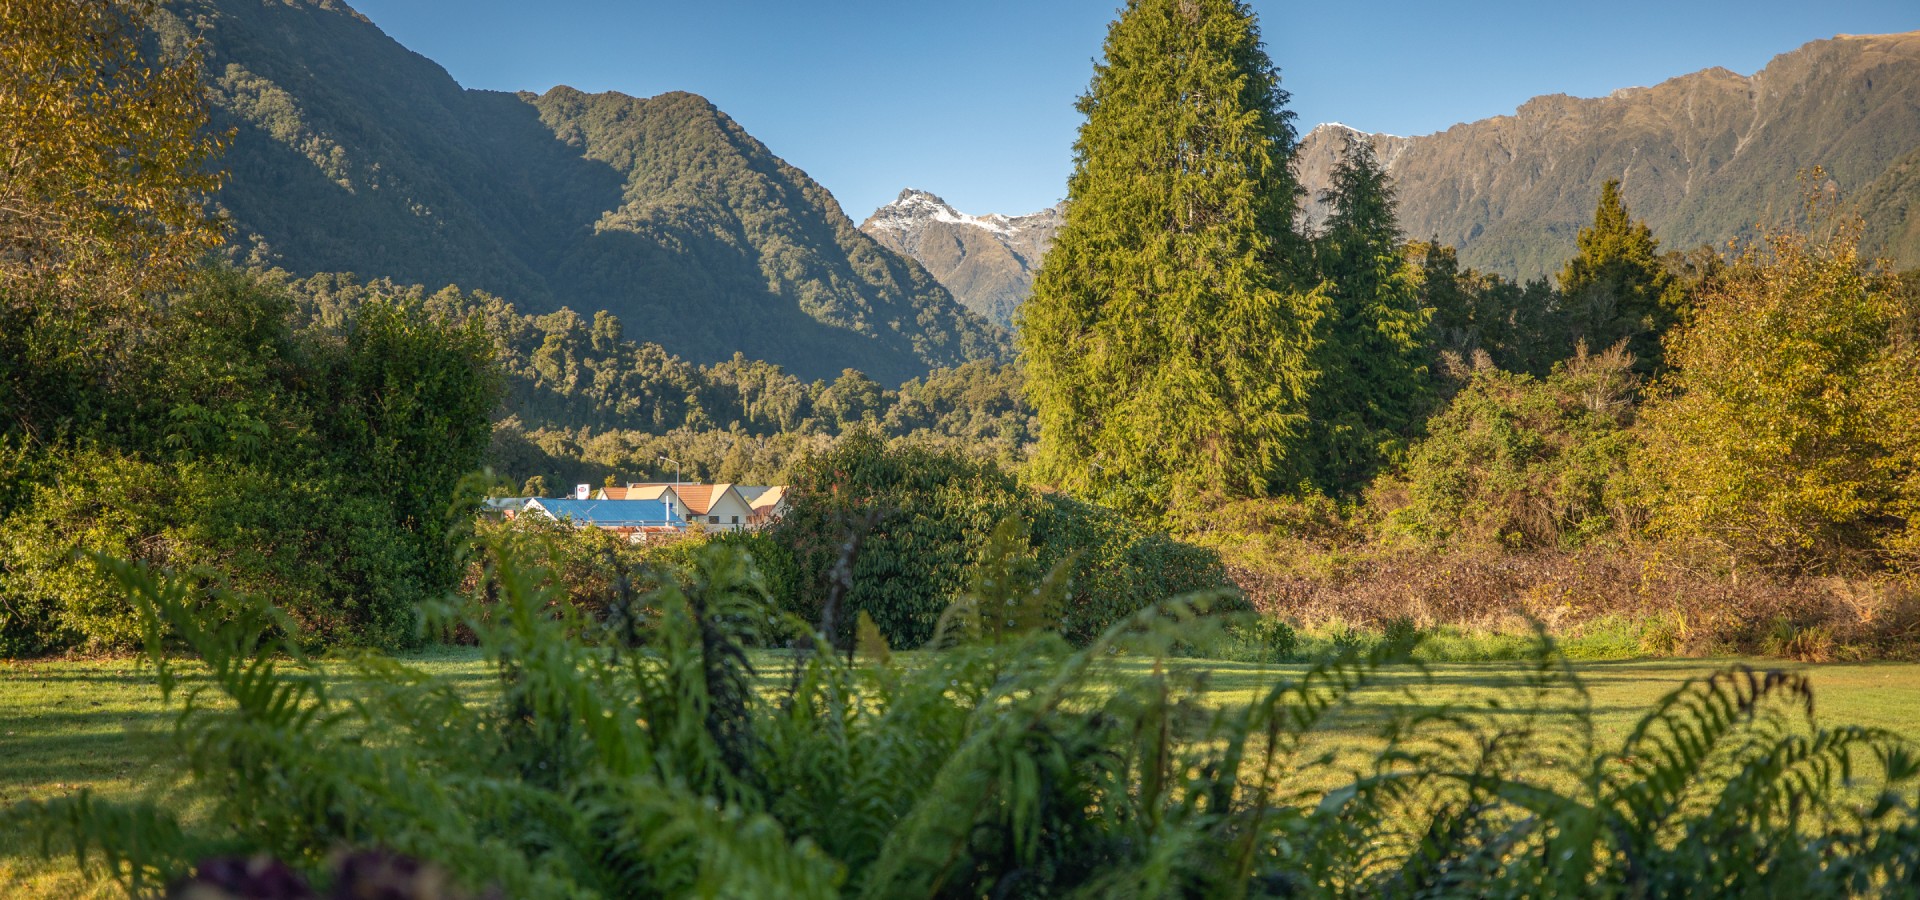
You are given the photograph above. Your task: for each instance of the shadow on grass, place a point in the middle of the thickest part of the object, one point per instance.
(55, 751)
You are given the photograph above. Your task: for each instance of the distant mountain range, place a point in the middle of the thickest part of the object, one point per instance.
(354, 154)
(988, 262)
(1704, 158)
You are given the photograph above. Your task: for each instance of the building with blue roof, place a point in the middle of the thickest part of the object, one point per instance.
(636, 518)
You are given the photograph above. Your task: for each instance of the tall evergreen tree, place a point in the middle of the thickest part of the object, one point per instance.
(1168, 346)
(1454, 324)
(1616, 288)
(1374, 358)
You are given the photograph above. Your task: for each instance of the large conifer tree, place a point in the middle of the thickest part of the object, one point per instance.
(1167, 345)
(1616, 288)
(1375, 357)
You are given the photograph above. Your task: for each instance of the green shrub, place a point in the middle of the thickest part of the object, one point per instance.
(1119, 568)
(55, 599)
(1516, 462)
(1788, 435)
(335, 559)
(1263, 639)
(311, 466)
(1343, 639)
(924, 519)
(1401, 636)
(921, 518)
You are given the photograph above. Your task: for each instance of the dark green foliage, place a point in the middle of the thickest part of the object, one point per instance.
(586, 400)
(1373, 357)
(346, 571)
(1616, 288)
(1516, 327)
(309, 464)
(975, 407)
(1167, 344)
(1119, 567)
(414, 394)
(1519, 462)
(644, 764)
(852, 399)
(923, 517)
(926, 517)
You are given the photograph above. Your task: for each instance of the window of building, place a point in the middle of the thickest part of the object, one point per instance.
(736, 520)
(713, 520)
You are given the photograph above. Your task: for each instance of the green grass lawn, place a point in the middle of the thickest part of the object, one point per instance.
(65, 725)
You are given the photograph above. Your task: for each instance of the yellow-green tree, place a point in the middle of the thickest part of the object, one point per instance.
(1788, 432)
(104, 153)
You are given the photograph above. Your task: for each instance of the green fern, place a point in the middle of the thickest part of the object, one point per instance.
(637, 756)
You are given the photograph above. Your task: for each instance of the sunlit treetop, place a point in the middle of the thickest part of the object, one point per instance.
(105, 158)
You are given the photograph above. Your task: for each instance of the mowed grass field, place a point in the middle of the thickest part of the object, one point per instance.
(100, 724)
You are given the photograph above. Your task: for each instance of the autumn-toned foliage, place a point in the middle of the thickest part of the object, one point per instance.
(1786, 433)
(104, 153)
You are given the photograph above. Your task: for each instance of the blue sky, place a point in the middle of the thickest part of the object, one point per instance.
(973, 100)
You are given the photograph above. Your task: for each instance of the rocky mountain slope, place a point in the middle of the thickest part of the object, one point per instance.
(988, 262)
(353, 154)
(1702, 157)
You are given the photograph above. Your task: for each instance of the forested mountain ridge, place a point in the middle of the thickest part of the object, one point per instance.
(353, 154)
(1703, 157)
(988, 262)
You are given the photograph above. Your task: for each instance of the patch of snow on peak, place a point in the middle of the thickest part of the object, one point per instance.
(915, 206)
(1342, 126)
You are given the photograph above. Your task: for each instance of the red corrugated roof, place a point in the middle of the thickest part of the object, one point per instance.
(697, 497)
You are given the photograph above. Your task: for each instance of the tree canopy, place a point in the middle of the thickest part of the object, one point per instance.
(1785, 434)
(104, 155)
(1616, 289)
(1167, 341)
(1374, 355)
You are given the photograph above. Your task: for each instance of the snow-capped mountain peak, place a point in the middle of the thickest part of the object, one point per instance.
(987, 262)
(914, 207)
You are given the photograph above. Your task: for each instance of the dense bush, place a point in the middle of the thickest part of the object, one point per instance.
(1300, 535)
(592, 569)
(1656, 604)
(1789, 435)
(332, 553)
(648, 762)
(313, 465)
(1519, 462)
(922, 518)
(1117, 567)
